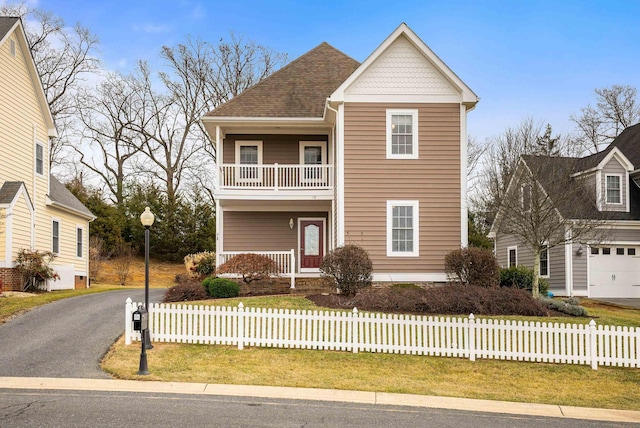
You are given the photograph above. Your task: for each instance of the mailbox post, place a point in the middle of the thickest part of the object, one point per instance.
(141, 324)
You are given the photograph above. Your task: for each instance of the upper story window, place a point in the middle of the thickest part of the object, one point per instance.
(402, 134)
(526, 197)
(55, 236)
(39, 159)
(614, 189)
(402, 228)
(248, 153)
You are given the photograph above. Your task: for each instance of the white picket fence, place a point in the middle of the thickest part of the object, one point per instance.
(392, 333)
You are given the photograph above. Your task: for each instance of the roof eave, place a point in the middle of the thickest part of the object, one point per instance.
(72, 210)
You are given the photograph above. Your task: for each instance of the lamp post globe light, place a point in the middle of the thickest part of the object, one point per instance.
(146, 218)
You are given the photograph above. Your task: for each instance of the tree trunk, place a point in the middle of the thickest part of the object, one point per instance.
(535, 283)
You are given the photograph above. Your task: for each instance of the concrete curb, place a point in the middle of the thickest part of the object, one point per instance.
(361, 397)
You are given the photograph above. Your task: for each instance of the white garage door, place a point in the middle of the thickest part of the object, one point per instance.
(614, 271)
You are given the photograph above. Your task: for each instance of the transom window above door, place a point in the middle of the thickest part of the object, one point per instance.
(402, 134)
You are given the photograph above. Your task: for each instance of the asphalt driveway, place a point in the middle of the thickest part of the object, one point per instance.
(631, 303)
(66, 338)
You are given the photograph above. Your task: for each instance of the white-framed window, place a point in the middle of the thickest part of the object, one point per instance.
(249, 153)
(613, 190)
(403, 227)
(526, 197)
(55, 236)
(12, 47)
(79, 241)
(512, 256)
(313, 153)
(544, 261)
(39, 159)
(402, 134)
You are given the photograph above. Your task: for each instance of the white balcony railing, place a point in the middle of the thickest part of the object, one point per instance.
(275, 177)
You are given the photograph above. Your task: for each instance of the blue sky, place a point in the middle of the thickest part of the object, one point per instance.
(539, 59)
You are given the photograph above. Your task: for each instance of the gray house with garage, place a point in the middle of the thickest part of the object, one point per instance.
(610, 187)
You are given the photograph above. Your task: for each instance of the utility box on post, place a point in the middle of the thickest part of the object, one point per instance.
(140, 319)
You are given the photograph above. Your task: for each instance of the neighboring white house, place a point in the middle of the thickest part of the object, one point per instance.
(36, 211)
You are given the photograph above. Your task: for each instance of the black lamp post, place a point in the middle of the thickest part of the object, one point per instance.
(146, 218)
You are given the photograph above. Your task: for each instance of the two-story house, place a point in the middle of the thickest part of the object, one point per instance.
(328, 151)
(606, 266)
(36, 211)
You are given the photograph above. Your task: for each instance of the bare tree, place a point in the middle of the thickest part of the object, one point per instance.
(616, 108)
(498, 164)
(198, 77)
(108, 143)
(475, 151)
(63, 58)
(544, 207)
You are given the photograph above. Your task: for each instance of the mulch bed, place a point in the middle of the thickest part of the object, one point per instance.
(449, 300)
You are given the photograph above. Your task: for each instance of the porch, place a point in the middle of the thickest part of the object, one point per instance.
(295, 240)
(275, 177)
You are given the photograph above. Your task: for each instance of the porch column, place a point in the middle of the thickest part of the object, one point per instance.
(219, 234)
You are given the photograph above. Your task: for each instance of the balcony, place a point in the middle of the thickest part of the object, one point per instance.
(275, 177)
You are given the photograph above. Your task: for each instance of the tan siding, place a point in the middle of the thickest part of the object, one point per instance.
(21, 221)
(68, 224)
(283, 149)
(19, 112)
(433, 180)
(263, 231)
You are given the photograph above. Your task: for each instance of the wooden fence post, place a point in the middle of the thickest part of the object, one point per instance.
(593, 351)
(128, 314)
(471, 336)
(240, 321)
(354, 330)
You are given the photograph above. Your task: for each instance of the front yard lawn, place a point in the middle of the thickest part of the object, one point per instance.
(560, 384)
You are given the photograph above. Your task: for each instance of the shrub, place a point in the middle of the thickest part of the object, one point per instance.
(454, 299)
(221, 288)
(473, 266)
(200, 265)
(125, 253)
(522, 277)
(569, 306)
(186, 291)
(348, 268)
(96, 246)
(251, 266)
(33, 268)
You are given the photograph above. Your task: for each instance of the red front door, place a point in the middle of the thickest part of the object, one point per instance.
(311, 243)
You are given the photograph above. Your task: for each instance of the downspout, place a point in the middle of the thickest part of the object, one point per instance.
(338, 200)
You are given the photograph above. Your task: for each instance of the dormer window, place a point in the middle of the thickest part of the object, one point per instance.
(614, 189)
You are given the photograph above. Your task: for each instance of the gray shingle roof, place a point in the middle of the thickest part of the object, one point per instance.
(61, 195)
(556, 173)
(299, 89)
(9, 190)
(6, 23)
